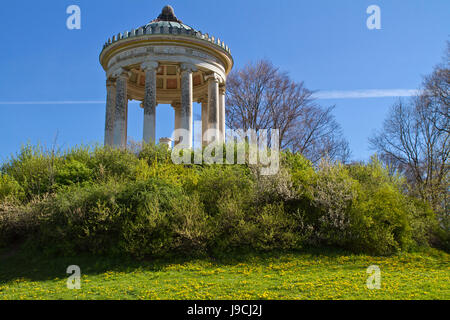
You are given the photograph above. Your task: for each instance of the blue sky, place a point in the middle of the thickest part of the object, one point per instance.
(324, 43)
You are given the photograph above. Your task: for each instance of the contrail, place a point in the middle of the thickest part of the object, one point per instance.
(57, 102)
(53, 102)
(365, 93)
(321, 95)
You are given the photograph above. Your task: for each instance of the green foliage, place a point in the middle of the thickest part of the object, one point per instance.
(81, 218)
(333, 195)
(107, 162)
(382, 213)
(380, 222)
(362, 208)
(105, 200)
(301, 171)
(155, 154)
(192, 226)
(73, 171)
(34, 169)
(10, 189)
(217, 181)
(17, 222)
(147, 226)
(276, 229)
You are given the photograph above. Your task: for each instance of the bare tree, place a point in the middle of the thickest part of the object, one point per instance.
(415, 140)
(437, 91)
(259, 96)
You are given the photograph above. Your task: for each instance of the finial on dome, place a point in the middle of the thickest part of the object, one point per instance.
(167, 14)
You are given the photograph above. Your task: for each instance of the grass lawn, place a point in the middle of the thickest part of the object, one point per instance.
(306, 275)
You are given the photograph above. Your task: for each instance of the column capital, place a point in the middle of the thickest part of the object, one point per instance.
(203, 100)
(187, 67)
(110, 82)
(213, 77)
(121, 73)
(176, 105)
(149, 65)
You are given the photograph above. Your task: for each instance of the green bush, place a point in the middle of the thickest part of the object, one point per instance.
(81, 218)
(382, 213)
(242, 224)
(331, 197)
(110, 201)
(155, 153)
(107, 162)
(380, 222)
(150, 217)
(192, 226)
(302, 173)
(10, 189)
(232, 228)
(277, 229)
(34, 169)
(215, 181)
(17, 223)
(361, 208)
(147, 228)
(73, 171)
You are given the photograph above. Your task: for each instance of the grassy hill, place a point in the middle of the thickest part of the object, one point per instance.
(140, 226)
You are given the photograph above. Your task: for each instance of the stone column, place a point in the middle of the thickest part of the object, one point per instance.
(222, 113)
(121, 110)
(204, 103)
(213, 105)
(110, 110)
(186, 101)
(150, 102)
(177, 125)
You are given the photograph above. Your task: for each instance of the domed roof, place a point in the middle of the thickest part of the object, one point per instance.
(167, 23)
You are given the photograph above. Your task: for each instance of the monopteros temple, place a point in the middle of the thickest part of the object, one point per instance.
(166, 62)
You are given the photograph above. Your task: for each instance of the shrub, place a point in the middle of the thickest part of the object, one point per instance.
(174, 174)
(273, 188)
(334, 193)
(276, 229)
(17, 223)
(380, 222)
(81, 218)
(192, 227)
(146, 217)
(10, 190)
(105, 200)
(73, 171)
(423, 221)
(154, 153)
(148, 224)
(388, 216)
(302, 173)
(232, 225)
(241, 224)
(215, 181)
(107, 162)
(34, 169)
(361, 208)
